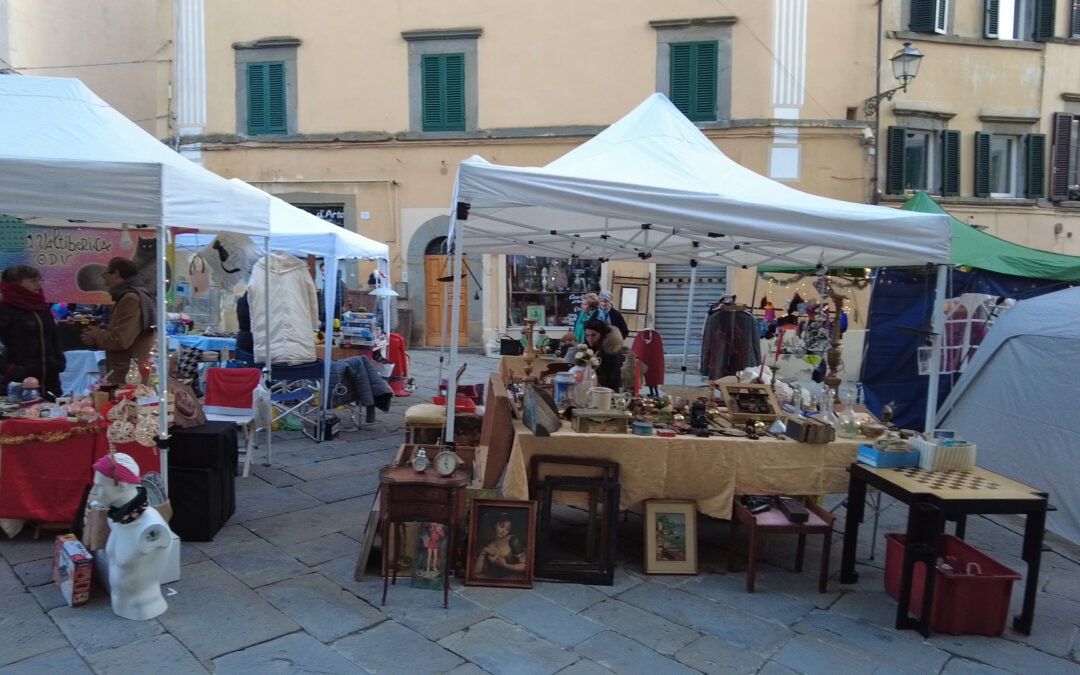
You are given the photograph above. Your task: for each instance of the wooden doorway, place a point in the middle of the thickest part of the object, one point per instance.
(435, 267)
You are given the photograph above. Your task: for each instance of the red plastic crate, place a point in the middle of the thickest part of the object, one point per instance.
(964, 604)
(461, 404)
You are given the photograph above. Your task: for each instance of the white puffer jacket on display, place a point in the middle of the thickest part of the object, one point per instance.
(294, 306)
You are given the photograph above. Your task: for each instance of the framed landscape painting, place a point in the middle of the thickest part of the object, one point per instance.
(671, 536)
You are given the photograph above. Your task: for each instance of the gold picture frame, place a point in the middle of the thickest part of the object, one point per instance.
(671, 545)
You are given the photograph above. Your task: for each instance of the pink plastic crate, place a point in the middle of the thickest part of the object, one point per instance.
(975, 603)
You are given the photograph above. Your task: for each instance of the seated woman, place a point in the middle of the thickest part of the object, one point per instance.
(607, 342)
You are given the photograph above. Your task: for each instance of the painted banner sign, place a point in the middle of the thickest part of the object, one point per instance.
(72, 260)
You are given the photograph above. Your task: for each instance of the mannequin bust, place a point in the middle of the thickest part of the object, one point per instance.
(138, 539)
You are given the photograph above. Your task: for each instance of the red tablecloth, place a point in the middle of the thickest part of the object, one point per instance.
(43, 479)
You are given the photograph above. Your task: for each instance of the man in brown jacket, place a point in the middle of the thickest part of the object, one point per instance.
(130, 333)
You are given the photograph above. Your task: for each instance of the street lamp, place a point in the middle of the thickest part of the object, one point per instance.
(905, 66)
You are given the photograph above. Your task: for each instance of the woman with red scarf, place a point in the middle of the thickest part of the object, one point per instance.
(31, 344)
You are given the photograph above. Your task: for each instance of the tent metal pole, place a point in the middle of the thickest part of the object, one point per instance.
(937, 325)
(329, 297)
(689, 311)
(455, 317)
(162, 353)
(266, 358)
(445, 316)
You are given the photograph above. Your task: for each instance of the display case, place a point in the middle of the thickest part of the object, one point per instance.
(549, 289)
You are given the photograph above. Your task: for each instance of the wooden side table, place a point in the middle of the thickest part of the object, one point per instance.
(409, 495)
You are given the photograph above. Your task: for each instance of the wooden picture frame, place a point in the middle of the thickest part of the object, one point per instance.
(585, 553)
(671, 545)
(538, 312)
(502, 543)
(749, 402)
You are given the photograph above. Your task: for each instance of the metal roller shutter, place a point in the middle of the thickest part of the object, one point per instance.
(672, 296)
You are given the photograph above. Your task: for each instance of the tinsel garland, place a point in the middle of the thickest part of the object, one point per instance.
(51, 436)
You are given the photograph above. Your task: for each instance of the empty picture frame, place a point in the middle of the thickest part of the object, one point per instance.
(583, 553)
(671, 536)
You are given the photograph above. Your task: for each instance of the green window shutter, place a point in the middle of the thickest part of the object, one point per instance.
(894, 163)
(982, 164)
(443, 91)
(276, 118)
(680, 77)
(266, 100)
(923, 15)
(990, 18)
(1060, 155)
(256, 97)
(694, 67)
(1035, 165)
(950, 163)
(1044, 20)
(1075, 32)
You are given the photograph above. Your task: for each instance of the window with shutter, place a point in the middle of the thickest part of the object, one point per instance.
(1035, 166)
(950, 163)
(443, 86)
(1075, 32)
(894, 163)
(266, 103)
(1064, 156)
(990, 18)
(982, 164)
(928, 16)
(1045, 11)
(694, 67)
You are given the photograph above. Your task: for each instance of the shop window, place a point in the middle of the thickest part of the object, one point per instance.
(1010, 166)
(1065, 157)
(929, 16)
(1019, 19)
(920, 159)
(548, 289)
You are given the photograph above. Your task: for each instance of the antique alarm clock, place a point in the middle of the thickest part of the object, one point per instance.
(420, 462)
(446, 462)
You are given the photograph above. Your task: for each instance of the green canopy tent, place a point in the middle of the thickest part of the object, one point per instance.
(972, 248)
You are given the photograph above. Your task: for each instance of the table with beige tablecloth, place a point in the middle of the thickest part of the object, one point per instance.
(709, 470)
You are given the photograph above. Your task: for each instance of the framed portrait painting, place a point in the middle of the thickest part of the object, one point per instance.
(671, 536)
(538, 312)
(502, 542)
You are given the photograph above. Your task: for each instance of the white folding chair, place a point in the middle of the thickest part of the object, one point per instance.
(230, 398)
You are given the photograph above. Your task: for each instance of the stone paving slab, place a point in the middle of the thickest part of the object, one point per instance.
(9, 582)
(244, 618)
(275, 477)
(552, 622)
(345, 486)
(317, 551)
(34, 572)
(24, 548)
(499, 647)
(25, 630)
(710, 655)
(957, 666)
(584, 666)
(226, 538)
(93, 627)
(706, 616)
(136, 658)
(882, 645)
(805, 654)
(295, 653)
(190, 554)
(625, 656)
(393, 648)
(66, 661)
(49, 596)
(321, 607)
(650, 630)
(731, 591)
(574, 597)
(314, 470)
(256, 499)
(257, 563)
(1004, 654)
(305, 524)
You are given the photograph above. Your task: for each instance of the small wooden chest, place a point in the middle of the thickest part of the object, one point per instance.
(592, 421)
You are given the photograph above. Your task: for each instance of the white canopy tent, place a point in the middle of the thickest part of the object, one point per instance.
(66, 155)
(652, 187)
(294, 230)
(1017, 401)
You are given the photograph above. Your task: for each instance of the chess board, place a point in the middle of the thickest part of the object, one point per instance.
(948, 480)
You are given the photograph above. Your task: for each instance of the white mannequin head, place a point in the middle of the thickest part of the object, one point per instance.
(115, 479)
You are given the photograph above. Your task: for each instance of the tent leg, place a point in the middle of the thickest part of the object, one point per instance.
(329, 296)
(689, 310)
(162, 353)
(445, 316)
(266, 359)
(937, 325)
(455, 317)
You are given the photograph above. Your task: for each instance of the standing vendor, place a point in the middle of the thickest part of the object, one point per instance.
(31, 344)
(130, 333)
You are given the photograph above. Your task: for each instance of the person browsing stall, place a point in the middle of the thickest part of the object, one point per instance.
(130, 333)
(31, 343)
(608, 314)
(606, 342)
(590, 303)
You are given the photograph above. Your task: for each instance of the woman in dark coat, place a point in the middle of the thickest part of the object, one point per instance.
(606, 342)
(28, 332)
(608, 314)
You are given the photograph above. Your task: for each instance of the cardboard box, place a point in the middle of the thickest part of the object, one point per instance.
(73, 569)
(887, 460)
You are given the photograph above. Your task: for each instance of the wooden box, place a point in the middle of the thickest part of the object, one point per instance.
(591, 421)
(749, 402)
(809, 430)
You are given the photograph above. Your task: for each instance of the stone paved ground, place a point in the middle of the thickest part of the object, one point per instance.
(274, 592)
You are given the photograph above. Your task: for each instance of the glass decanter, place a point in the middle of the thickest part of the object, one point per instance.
(847, 425)
(826, 414)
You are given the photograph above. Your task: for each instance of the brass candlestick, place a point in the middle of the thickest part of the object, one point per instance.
(530, 348)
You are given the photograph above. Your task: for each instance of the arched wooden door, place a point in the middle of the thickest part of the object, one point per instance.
(435, 267)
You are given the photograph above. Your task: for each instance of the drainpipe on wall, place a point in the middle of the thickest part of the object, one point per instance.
(875, 191)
